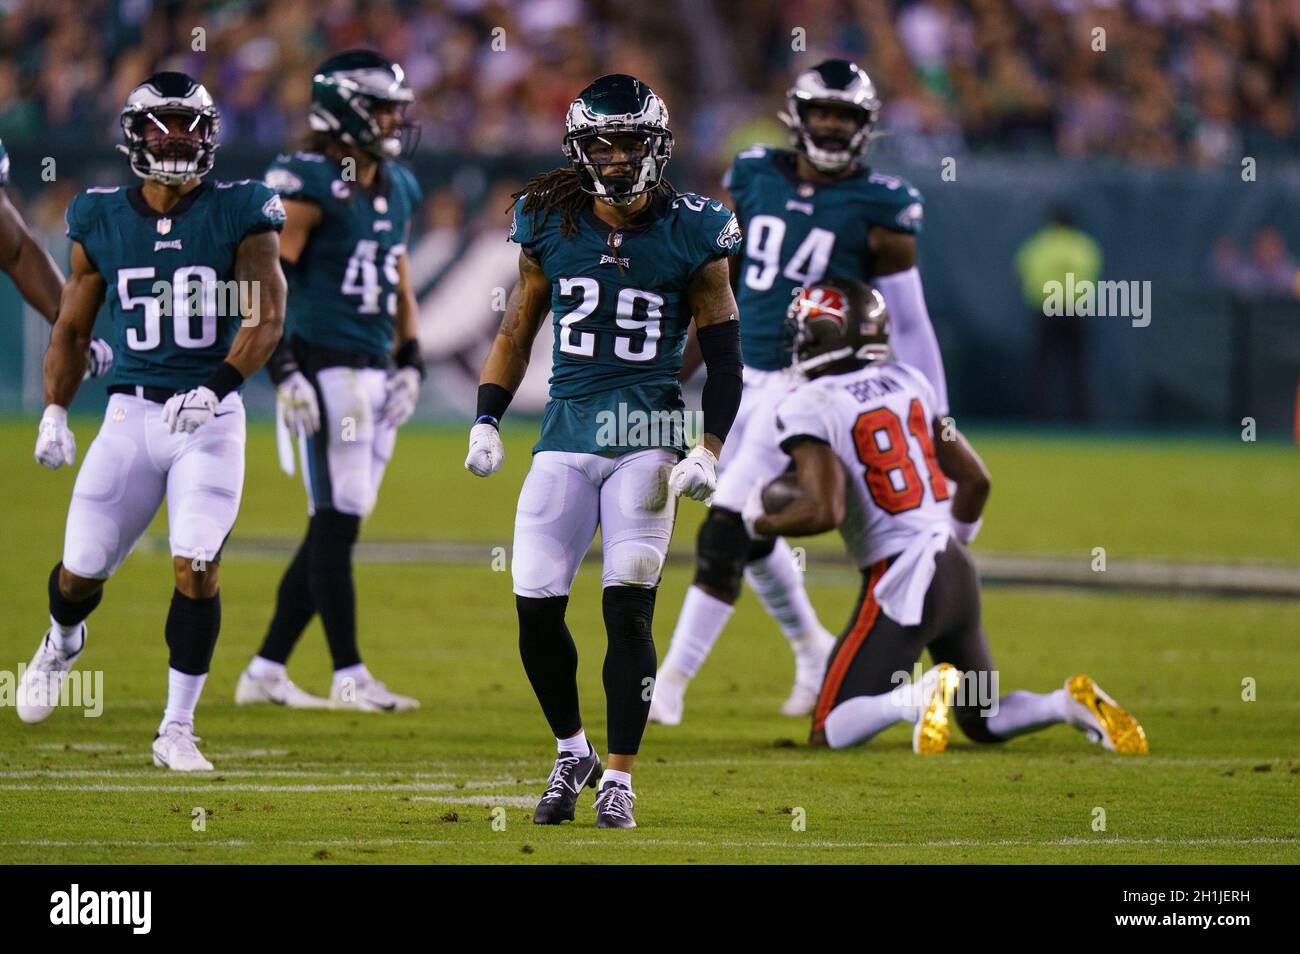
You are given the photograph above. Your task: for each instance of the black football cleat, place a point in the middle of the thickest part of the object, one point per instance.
(567, 779)
(614, 807)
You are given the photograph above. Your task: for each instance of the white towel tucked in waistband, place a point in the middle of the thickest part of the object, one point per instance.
(901, 591)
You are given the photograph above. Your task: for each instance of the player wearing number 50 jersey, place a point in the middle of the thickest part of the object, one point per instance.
(624, 263)
(872, 457)
(348, 373)
(191, 273)
(807, 211)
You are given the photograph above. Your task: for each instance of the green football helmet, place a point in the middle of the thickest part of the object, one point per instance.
(349, 88)
(617, 105)
(840, 84)
(174, 157)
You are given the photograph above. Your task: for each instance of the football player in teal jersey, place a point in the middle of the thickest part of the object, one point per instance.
(191, 272)
(34, 273)
(348, 371)
(812, 210)
(624, 263)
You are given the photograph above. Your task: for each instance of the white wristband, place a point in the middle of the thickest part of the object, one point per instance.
(966, 532)
(56, 413)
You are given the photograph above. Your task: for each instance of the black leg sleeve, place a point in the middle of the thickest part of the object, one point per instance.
(550, 660)
(629, 665)
(293, 607)
(66, 611)
(192, 627)
(329, 580)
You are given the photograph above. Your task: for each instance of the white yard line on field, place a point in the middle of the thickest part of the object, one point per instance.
(183, 786)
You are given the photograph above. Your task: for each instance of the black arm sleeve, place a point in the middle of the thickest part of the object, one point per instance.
(720, 346)
(493, 400)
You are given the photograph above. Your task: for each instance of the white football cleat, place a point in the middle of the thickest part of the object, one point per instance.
(277, 689)
(174, 748)
(368, 694)
(811, 654)
(38, 693)
(669, 696)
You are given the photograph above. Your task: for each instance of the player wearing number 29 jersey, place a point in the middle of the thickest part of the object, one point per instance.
(349, 372)
(624, 264)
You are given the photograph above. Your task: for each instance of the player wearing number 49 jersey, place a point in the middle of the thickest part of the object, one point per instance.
(191, 272)
(348, 372)
(872, 457)
(624, 264)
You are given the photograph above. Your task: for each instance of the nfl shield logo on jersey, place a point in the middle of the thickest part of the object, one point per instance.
(164, 225)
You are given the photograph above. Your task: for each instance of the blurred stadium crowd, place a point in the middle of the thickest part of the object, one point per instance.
(1179, 81)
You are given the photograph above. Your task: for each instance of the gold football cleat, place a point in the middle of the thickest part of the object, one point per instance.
(939, 689)
(1103, 719)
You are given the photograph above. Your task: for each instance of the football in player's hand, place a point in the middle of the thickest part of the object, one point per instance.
(780, 493)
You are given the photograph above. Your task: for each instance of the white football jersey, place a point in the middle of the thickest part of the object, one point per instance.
(878, 420)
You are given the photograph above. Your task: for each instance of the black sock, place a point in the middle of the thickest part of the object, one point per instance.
(550, 660)
(329, 579)
(192, 627)
(293, 607)
(68, 612)
(629, 664)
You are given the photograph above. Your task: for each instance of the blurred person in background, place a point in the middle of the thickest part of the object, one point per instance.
(348, 373)
(1056, 250)
(1269, 272)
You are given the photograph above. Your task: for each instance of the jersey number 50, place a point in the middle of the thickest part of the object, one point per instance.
(577, 343)
(891, 476)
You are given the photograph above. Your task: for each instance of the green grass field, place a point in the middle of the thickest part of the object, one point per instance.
(734, 782)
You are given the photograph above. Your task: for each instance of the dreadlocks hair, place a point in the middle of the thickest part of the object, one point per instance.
(560, 190)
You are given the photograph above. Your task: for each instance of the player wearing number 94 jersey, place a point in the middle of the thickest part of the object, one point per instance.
(808, 211)
(191, 271)
(348, 372)
(624, 263)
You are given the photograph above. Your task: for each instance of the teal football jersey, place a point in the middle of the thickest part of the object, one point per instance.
(621, 315)
(797, 232)
(343, 290)
(172, 298)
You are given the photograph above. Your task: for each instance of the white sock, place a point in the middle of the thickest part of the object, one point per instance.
(1021, 711)
(613, 775)
(698, 626)
(357, 673)
(574, 744)
(183, 691)
(858, 719)
(779, 585)
(66, 639)
(260, 668)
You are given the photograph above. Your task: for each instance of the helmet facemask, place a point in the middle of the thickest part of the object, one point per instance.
(349, 94)
(618, 165)
(837, 85)
(170, 132)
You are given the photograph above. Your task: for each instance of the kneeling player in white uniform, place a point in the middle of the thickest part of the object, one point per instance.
(174, 426)
(805, 211)
(872, 457)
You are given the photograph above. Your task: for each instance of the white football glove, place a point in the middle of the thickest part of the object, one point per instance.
(295, 401)
(486, 452)
(696, 474)
(100, 360)
(752, 511)
(55, 445)
(188, 411)
(403, 391)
